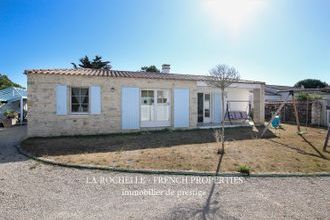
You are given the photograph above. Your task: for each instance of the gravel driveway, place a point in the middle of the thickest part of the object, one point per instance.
(30, 190)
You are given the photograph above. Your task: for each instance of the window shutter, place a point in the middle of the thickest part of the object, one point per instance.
(61, 100)
(130, 108)
(95, 99)
(181, 108)
(217, 107)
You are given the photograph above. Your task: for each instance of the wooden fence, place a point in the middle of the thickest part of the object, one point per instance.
(287, 113)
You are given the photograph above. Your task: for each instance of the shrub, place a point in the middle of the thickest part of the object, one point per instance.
(10, 114)
(304, 96)
(244, 169)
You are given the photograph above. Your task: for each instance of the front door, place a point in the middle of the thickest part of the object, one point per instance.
(204, 107)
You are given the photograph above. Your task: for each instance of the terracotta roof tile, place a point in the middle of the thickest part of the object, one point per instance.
(125, 74)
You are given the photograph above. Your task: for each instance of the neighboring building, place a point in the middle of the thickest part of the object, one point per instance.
(15, 99)
(325, 111)
(87, 101)
(273, 93)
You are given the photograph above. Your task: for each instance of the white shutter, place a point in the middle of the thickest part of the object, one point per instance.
(61, 100)
(95, 99)
(130, 108)
(181, 108)
(217, 107)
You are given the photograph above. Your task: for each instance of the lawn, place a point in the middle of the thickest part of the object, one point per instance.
(282, 150)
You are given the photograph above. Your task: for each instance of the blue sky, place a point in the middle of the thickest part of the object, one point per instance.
(276, 41)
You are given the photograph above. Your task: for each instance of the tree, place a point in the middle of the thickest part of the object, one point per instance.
(96, 63)
(5, 82)
(151, 68)
(222, 76)
(310, 83)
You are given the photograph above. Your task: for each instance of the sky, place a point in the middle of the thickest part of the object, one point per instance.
(275, 41)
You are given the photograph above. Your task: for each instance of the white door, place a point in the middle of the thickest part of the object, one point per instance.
(181, 108)
(155, 108)
(130, 108)
(207, 107)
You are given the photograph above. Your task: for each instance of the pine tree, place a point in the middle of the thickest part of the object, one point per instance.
(151, 68)
(96, 63)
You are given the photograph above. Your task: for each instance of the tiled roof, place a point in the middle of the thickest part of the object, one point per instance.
(271, 93)
(125, 74)
(278, 87)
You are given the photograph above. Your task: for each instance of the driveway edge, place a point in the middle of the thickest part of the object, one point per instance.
(166, 172)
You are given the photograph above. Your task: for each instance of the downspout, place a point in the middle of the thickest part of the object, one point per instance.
(22, 110)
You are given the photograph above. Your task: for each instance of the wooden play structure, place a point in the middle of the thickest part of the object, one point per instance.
(291, 93)
(326, 140)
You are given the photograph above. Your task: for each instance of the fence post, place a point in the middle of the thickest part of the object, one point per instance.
(296, 112)
(326, 140)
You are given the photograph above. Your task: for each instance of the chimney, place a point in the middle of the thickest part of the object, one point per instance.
(166, 68)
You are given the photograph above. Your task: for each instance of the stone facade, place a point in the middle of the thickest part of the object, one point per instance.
(259, 105)
(43, 121)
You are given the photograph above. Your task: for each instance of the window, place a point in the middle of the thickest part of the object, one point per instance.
(162, 96)
(79, 100)
(147, 97)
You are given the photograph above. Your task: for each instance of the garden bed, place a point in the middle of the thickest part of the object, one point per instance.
(280, 151)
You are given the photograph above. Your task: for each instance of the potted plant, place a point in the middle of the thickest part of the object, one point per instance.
(11, 118)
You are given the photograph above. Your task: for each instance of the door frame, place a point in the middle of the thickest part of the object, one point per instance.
(205, 119)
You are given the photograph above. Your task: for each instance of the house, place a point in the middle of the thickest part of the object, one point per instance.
(13, 98)
(90, 101)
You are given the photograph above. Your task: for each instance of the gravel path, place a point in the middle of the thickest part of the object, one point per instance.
(30, 190)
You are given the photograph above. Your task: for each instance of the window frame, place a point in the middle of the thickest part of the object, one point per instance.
(89, 101)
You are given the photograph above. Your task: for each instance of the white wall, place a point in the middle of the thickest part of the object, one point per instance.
(236, 94)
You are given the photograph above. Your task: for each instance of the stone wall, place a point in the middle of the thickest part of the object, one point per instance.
(259, 105)
(316, 113)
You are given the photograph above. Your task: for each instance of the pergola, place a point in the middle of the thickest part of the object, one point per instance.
(13, 94)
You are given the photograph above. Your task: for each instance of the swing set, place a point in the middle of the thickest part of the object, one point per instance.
(291, 93)
(237, 115)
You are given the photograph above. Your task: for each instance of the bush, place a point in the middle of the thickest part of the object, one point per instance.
(304, 96)
(244, 169)
(10, 114)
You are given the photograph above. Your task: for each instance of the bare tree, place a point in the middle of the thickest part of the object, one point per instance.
(222, 76)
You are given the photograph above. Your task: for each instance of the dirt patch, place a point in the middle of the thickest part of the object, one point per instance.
(282, 150)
